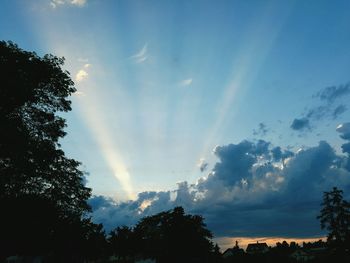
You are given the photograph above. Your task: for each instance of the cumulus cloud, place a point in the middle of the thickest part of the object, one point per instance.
(82, 73)
(57, 3)
(280, 155)
(300, 124)
(344, 130)
(254, 189)
(142, 55)
(346, 147)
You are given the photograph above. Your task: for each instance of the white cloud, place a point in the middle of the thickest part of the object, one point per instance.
(186, 82)
(141, 56)
(83, 72)
(78, 2)
(81, 75)
(57, 3)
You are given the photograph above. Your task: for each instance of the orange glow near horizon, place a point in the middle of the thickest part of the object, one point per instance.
(229, 242)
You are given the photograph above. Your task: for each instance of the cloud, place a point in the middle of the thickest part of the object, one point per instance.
(142, 55)
(330, 94)
(338, 111)
(329, 107)
(254, 189)
(202, 164)
(78, 2)
(279, 155)
(261, 131)
(346, 147)
(81, 75)
(300, 124)
(57, 3)
(186, 82)
(318, 113)
(344, 130)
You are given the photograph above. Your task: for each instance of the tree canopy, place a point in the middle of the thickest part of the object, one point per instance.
(41, 190)
(33, 91)
(170, 236)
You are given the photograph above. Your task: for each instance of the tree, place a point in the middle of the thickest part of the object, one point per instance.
(121, 241)
(33, 91)
(335, 217)
(173, 236)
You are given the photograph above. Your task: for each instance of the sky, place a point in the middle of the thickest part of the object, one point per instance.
(235, 110)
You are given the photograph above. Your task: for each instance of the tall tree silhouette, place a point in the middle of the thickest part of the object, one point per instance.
(335, 217)
(33, 90)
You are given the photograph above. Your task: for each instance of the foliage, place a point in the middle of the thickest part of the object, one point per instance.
(42, 193)
(122, 242)
(170, 236)
(335, 217)
(32, 91)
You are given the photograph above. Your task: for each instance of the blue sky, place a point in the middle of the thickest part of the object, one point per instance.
(161, 84)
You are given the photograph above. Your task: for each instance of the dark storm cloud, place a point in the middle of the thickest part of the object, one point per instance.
(300, 124)
(253, 190)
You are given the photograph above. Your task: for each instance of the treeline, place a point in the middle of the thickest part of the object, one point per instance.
(312, 252)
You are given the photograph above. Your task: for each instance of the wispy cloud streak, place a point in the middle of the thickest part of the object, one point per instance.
(57, 3)
(142, 55)
(186, 82)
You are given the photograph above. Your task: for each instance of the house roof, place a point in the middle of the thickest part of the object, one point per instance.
(257, 246)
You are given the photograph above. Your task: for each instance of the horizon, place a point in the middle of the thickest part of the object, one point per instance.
(229, 242)
(235, 110)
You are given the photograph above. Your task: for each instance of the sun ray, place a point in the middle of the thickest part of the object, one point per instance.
(244, 70)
